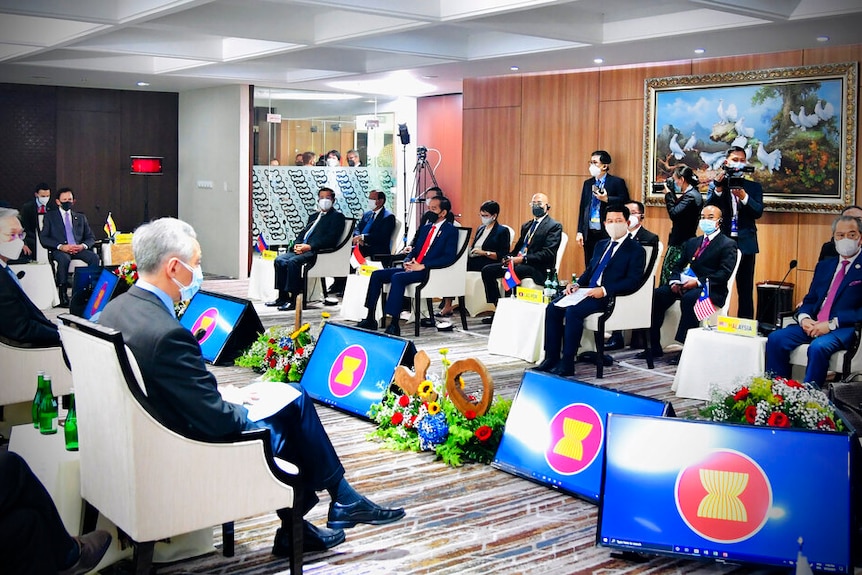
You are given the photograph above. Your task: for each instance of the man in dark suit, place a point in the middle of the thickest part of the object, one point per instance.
(533, 255)
(616, 269)
(711, 258)
(741, 206)
(31, 214)
(827, 250)
(600, 191)
(373, 234)
(436, 247)
(20, 319)
(185, 397)
(828, 312)
(67, 236)
(322, 231)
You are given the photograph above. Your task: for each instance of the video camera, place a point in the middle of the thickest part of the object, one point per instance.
(659, 186)
(421, 153)
(734, 179)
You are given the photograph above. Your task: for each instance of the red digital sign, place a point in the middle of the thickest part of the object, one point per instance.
(146, 165)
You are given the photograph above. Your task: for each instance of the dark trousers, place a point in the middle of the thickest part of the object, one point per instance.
(592, 238)
(398, 280)
(288, 272)
(492, 273)
(62, 261)
(564, 327)
(782, 342)
(745, 286)
(662, 299)
(33, 539)
(298, 436)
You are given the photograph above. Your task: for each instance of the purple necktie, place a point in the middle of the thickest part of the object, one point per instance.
(67, 222)
(702, 247)
(826, 309)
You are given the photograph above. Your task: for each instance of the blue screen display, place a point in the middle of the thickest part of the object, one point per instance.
(211, 320)
(102, 292)
(351, 368)
(735, 493)
(555, 431)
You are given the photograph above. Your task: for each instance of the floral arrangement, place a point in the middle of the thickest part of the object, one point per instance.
(430, 421)
(128, 272)
(774, 402)
(279, 354)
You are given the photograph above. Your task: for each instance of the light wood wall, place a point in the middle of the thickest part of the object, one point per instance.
(528, 134)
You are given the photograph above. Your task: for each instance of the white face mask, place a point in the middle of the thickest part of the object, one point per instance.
(595, 171)
(332, 162)
(372, 205)
(634, 221)
(847, 247)
(43, 200)
(324, 204)
(487, 221)
(12, 250)
(616, 230)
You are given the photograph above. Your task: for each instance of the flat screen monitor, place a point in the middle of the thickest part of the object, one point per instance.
(735, 493)
(212, 319)
(146, 165)
(102, 292)
(555, 430)
(351, 368)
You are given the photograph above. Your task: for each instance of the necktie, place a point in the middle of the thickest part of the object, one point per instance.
(311, 229)
(67, 222)
(597, 274)
(826, 308)
(41, 209)
(428, 239)
(367, 229)
(702, 247)
(528, 239)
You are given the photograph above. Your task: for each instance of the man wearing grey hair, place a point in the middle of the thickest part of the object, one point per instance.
(185, 396)
(20, 319)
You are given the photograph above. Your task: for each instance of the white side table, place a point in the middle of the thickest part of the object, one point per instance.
(518, 329)
(38, 284)
(261, 281)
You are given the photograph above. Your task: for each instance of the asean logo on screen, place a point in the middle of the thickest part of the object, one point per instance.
(205, 325)
(576, 435)
(725, 497)
(347, 370)
(100, 295)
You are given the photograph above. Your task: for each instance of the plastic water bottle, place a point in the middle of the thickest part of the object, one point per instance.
(48, 409)
(70, 429)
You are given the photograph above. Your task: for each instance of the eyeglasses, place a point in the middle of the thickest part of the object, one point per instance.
(16, 235)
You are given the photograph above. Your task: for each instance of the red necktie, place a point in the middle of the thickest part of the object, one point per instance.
(701, 248)
(426, 245)
(41, 209)
(826, 309)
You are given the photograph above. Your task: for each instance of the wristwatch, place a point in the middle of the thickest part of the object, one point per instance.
(833, 324)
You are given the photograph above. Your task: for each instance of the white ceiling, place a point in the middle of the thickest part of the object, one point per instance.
(391, 47)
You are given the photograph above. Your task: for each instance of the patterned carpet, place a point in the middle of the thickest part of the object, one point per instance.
(470, 520)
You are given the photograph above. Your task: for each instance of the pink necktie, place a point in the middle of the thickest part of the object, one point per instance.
(826, 309)
(702, 247)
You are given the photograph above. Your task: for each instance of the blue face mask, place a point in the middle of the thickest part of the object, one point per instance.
(189, 291)
(708, 226)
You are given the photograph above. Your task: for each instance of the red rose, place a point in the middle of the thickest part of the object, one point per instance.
(741, 394)
(779, 398)
(397, 418)
(778, 419)
(470, 414)
(269, 353)
(483, 433)
(411, 422)
(793, 383)
(300, 351)
(271, 340)
(750, 413)
(403, 401)
(826, 423)
(272, 362)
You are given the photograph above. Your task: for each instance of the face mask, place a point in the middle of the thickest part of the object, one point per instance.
(66, 205)
(736, 166)
(432, 216)
(372, 205)
(12, 250)
(634, 220)
(324, 204)
(332, 162)
(708, 226)
(189, 291)
(487, 221)
(847, 247)
(538, 211)
(616, 230)
(43, 200)
(595, 171)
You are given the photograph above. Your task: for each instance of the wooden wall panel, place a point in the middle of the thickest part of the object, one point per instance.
(620, 136)
(828, 55)
(628, 83)
(814, 230)
(445, 137)
(491, 164)
(777, 236)
(750, 62)
(497, 92)
(559, 120)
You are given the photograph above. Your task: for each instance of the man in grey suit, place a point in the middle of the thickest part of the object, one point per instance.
(185, 397)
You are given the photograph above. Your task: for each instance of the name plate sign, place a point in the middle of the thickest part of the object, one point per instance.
(737, 326)
(530, 295)
(268, 254)
(367, 270)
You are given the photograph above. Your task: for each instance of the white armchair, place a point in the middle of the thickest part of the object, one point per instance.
(633, 311)
(845, 363)
(20, 364)
(564, 242)
(151, 482)
(331, 263)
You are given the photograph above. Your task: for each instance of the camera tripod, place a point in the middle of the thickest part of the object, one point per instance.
(422, 171)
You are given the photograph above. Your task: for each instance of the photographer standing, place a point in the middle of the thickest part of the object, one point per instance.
(742, 200)
(598, 192)
(683, 202)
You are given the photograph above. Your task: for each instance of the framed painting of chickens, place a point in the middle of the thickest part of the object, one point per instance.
(796, 125)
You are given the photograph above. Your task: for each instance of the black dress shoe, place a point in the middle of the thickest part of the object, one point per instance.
(289, 306)
(368, 323)
(642, 354)
(427, 322)
(563, 369)
(363, 511)
(276, 303)
(675, 360)
(614, 343)
(393, 328)
(314, 539)
(547, 365)
(488, 320)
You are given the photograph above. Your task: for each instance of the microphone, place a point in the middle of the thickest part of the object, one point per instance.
(790, 268)
(21, 274)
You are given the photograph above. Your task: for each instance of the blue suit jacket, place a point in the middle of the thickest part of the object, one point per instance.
(54, 231)
(378, 239)
(747, 214)
(443, 250)
(623, 273)
(847, 306)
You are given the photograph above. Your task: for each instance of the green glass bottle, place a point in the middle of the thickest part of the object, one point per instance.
(40, 385)
(555, 283)
(48, 409)
(548, 292)
(71, 426)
